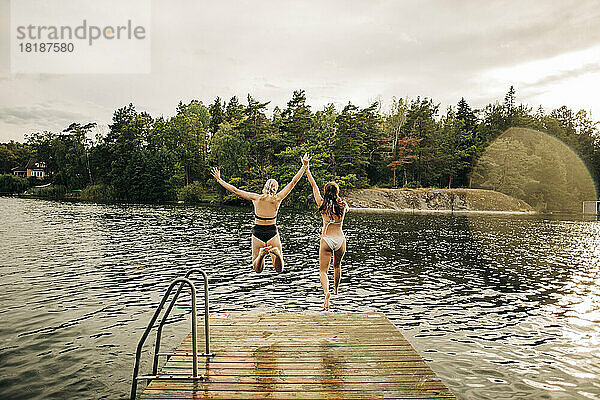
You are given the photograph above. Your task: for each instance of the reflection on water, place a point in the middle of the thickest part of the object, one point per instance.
(500, 307)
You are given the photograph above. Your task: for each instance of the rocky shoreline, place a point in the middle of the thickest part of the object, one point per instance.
(436, 201)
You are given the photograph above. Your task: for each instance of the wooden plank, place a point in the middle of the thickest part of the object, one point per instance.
(262, 338)
(304, 373)
(272, 384)
(304, 328)
(399, 365)
(213, 380)
(290, 351)
(298, 331)
(301, 359)
(241, 395)
(301, 356)
(291, 321)
(324, 394)
(297, 339)
(301, 345)
(241, 316)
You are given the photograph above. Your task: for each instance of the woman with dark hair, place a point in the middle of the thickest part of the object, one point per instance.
(333, 242)
(265, 237)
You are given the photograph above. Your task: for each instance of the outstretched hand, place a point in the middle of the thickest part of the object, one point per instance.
(216, 173)
(305, 160)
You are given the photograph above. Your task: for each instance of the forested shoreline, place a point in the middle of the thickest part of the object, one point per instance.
(412, 144)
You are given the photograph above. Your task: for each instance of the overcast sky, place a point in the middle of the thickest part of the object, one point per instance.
(338, 51)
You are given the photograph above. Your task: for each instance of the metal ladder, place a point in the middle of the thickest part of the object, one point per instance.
(183, 282)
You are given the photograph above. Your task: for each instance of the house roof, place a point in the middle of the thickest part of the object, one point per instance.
(34, 164)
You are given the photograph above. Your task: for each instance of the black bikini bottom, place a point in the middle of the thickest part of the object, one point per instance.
(264, 232)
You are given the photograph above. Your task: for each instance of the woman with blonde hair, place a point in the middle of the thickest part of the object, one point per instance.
(333, 242)
(265, 238)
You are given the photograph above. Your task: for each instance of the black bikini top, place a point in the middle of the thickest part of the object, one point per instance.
(264, 218)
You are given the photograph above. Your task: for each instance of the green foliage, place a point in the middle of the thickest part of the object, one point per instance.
(454, 148)
(285, 170)
(230, 198)
(188, 130)
(421, 124)
(147, 159)
(350, 147)
(413, 185)
(33, 181)
(65, 154)
(100, 192)
(51, 192)
(466, 115)
(13, 154)
(296, 121)
(152, 159)
(230, 150)
(397, 149)
(195, 193)
(217, 115)
(234, 112)
(349, 181)
(10, 183)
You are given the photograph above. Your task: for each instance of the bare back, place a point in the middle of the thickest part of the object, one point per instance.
(333, 226)
(266, 207)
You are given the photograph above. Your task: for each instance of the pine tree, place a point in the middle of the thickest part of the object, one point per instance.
(421, 124)
(234, 112)
(510, 108)
(465, 114)
(296, 120)
(217, 114)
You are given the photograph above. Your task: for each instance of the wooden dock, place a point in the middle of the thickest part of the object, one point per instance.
(306, 355)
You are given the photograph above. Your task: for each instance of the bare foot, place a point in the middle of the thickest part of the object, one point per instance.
(258, 263)
(264, 250)
(275, 250)
(278, 261)
(326, 302)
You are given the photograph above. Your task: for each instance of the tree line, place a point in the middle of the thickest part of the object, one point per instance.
(411, 144)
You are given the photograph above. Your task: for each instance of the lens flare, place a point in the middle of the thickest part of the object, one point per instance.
(535, 167)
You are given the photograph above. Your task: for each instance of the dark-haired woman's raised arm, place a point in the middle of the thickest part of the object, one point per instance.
(315, 188)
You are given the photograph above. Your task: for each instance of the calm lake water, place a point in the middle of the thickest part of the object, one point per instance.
(500, 307)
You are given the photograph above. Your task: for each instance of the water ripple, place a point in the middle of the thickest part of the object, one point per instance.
(501, 307)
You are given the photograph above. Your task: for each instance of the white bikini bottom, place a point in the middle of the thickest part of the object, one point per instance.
(334, 242)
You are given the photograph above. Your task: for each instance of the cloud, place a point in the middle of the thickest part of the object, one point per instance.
(550, 76)
(537, 71)
(563, 76)
(39, 117)
(338, 51)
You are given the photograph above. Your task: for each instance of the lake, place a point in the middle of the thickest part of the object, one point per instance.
(499, 307)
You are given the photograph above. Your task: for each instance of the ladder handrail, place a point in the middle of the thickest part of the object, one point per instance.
(138, 353)
(165, 316)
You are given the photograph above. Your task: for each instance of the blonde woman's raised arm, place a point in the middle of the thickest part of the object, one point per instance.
(238, 192)
(288, 188)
